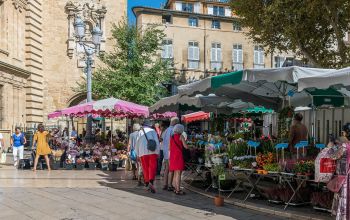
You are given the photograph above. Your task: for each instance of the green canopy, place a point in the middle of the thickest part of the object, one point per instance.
(329, 97)
(258, 109)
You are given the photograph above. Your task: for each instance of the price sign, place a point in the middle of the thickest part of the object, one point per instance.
(222, 177)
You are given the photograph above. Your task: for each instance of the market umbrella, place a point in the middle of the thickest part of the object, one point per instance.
(55, 114)
(258, 109)
(165, 115)
(196, 116)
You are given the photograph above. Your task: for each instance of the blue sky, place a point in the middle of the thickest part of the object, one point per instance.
(149, 3)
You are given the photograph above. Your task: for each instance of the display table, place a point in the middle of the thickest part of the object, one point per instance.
(193, 171)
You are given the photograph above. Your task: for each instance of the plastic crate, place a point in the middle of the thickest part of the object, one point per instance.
(104, 166)
(56, 165)
(68, 166)
(80, 166)
(92, 166)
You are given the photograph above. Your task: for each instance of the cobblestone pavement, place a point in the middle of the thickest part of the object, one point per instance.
(94, 195)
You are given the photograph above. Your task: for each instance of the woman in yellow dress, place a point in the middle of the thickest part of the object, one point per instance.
(42, 148)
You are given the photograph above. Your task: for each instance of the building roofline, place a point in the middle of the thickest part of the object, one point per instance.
(137, 9)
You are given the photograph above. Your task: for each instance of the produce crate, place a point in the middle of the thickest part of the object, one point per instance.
(113, 166)
(91, 166)
(68, 166)
(80, 166)
(104, 166)
(56, 165)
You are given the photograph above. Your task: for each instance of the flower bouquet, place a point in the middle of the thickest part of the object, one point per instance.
(80, 163)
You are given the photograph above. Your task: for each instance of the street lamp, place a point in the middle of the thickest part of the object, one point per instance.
(79, 28)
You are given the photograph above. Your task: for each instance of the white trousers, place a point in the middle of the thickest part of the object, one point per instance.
(16, 151)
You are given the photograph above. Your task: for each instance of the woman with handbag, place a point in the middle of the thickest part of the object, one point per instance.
(131, 149)
(176, 159)
(147, 151)
(340, 184)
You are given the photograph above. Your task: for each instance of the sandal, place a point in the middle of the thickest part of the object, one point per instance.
(180, 193)
(170, 188)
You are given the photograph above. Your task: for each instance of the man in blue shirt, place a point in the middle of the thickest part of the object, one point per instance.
(18, 140)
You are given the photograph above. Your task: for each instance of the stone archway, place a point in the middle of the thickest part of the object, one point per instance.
(76, 99)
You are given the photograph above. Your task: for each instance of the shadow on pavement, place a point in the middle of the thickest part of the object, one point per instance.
(120, 180)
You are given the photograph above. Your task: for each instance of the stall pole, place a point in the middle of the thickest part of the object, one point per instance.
(111, 131)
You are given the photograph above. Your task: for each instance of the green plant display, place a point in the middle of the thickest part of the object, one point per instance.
(273, 167)
(218, 170)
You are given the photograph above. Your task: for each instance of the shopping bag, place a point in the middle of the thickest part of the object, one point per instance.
(128, 164)
(3, 157)
(336, 183)
(327, 165)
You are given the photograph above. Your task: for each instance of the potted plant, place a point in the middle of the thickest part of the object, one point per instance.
(217, 171)
(272, 168)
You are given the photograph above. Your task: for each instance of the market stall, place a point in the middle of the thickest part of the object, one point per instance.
(106, 153)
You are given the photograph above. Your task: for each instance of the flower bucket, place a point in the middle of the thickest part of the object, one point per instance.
(219, 201)
(68, 166)
(92, 166)
(80, 166)
(112, 166)
(104, 166)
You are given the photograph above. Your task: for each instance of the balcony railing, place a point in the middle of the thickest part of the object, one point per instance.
(216, 65)
(259, 65)
(237, 66)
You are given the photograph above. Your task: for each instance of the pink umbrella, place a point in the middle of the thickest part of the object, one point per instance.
(84, 108)
(164, 115)
(55, 114)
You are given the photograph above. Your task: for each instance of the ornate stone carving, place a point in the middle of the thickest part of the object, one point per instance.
(19, 4)
(93, 13)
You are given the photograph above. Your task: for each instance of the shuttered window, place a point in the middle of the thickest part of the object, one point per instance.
(216, 56)
(259, 57)
(237, 57)
(167, 49)
(193, 55)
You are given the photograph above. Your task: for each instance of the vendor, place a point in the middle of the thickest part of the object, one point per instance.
(298, 132)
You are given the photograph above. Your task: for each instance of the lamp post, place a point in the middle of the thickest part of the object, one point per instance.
(79, 28)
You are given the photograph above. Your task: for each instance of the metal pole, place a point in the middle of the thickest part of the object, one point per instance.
(89, 53)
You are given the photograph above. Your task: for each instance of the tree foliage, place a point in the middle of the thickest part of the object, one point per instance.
(313, 29)
(133, 71)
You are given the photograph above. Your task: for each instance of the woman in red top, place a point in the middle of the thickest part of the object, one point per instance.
(176, 160)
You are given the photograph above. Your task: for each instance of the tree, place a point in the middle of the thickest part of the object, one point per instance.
(313, 29)
(133, 71)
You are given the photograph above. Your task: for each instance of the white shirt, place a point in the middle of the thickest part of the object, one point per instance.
(141, 143)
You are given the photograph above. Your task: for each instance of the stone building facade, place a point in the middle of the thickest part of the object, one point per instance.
(40, 62)
(204, 37)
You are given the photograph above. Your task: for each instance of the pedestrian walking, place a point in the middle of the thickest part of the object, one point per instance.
(168, 175)
(17, 141)
(176, 160)
(147, 150)
(42, 148)
(131, 150)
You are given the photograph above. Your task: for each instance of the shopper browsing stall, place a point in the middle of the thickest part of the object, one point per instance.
(147, 150)
(131, 149)
(168, 175)
(298, 132)
(176, 160)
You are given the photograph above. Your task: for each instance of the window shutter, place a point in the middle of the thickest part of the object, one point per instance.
(256, 56)
(178, 6)
(219, 55)
(210, 10)
(170, 50)
(228, 12)
(261, 57)
(190, 53)
(196, 53)
(240, 55)
(163, 51)
(196, 7)
(213, 54)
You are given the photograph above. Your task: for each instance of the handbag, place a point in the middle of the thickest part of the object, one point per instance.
(338, 181)
(186, 155)
(151, 144)
(133, 155)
